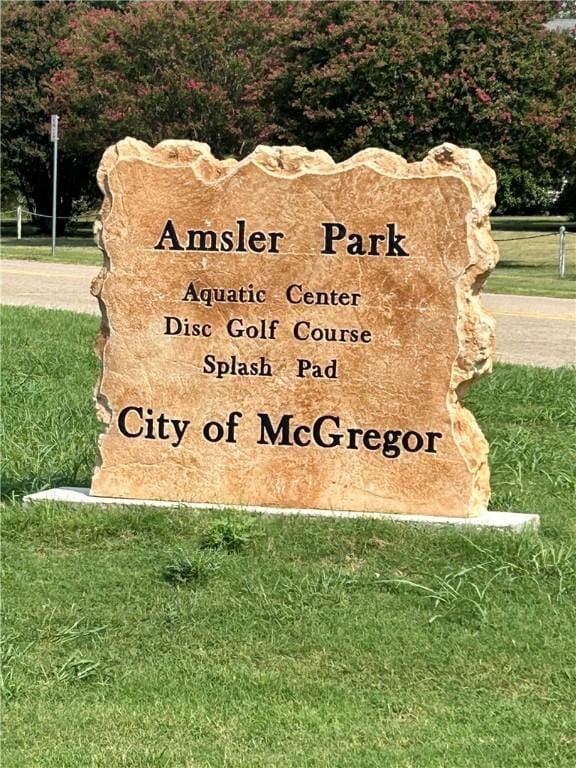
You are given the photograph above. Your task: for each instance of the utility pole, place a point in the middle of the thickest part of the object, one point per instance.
(54, 139)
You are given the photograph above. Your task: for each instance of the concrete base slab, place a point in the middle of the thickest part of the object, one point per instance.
(515, 521)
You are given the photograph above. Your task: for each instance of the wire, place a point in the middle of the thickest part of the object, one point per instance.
(44, 215)
(34, 213)
(528, 237)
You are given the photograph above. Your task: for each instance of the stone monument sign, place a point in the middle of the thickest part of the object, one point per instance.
(287, 331)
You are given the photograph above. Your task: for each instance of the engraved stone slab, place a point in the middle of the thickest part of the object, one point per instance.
(285, 331)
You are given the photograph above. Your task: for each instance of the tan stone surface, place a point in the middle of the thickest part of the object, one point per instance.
(430, 337)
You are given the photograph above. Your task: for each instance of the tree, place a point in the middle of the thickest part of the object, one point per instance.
(163, 70)
(406, 76)
(182, 70)
(339, 76)
(29, 57)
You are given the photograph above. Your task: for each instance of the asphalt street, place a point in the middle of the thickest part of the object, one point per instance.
(530, 330)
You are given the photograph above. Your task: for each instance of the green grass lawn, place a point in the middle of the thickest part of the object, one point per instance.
(527, 266)
(150, 638)
(77, 248)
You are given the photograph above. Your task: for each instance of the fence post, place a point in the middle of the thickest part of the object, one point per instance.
(19, 222)
(562, 252)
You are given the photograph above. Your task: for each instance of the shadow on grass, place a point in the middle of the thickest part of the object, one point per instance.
(520, 224)
(507, 264)
(62, 242)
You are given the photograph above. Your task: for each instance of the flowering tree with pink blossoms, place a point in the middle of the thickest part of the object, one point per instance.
(337, 75)
(407, 76)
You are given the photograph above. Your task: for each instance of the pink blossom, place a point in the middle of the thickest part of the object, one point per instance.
(482, 95)
(61, 78)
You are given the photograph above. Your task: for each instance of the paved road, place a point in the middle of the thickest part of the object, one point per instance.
(54, 286)
(530, 330)
(534, 330)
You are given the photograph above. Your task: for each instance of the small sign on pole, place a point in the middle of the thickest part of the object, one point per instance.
(54, 140)
(54, 128)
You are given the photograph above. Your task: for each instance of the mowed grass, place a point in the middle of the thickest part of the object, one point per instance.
(529, 257)
(77, 248)
(528, 260)
(144, 638)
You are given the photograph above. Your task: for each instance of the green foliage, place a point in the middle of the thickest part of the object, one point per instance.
(195, 568)
(339, 76)
(567, 9)
(521, 192)
(407, 76)
(566, 203)
(192, 69)
(151, 70)
(30, 56)
(11, 195)
(229, 534)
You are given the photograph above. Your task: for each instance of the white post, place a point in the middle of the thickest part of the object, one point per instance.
(19, 222)
(562, 252)
(54, 140)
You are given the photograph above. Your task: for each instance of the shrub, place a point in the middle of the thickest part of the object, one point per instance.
(521, 192)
